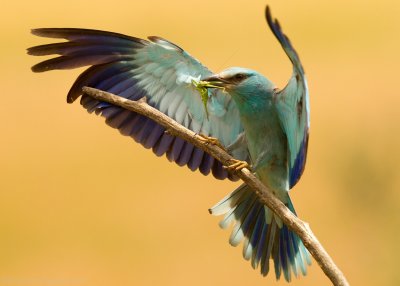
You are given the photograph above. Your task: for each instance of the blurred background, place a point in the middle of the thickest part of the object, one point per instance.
(82, 205)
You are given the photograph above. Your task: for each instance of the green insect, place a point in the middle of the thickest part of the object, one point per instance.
(202, 86)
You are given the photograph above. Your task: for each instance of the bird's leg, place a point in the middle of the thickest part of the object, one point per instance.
(211, 140)
(238, 143)
(237, 165)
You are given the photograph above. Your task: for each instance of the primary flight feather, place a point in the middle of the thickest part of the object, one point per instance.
(257, 122)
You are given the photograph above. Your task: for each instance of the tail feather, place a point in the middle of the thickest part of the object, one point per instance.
(235, 211)
(227, 202)
(251, 236)
(263, 236)
(266, 247)
(237, 234)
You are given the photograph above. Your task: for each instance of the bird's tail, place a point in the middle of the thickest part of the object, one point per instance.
(263, 235)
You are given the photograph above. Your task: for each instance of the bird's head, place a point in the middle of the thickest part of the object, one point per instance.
(242, 84)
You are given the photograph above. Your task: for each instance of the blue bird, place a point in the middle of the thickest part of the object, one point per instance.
(258, 123)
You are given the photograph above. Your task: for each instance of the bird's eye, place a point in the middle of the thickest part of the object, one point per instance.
(239, 77)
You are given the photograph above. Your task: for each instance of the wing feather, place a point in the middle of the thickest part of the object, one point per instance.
(158, 70)
(293, 106)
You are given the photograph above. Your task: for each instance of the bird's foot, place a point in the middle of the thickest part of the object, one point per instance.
(237, 165)
(211, 140)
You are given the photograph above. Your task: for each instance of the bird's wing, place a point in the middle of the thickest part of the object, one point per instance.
(156, 70)
(293, 107)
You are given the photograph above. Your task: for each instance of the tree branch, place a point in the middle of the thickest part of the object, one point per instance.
(265, 195)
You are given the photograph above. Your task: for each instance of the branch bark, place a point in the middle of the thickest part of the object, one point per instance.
(265, 195)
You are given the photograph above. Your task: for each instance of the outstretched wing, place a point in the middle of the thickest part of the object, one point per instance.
(156, 70)
(293, 107)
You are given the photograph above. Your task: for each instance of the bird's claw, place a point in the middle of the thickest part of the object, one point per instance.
(211, 140)
(237, 165)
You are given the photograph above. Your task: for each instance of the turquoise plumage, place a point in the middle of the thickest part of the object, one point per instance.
(258, 123)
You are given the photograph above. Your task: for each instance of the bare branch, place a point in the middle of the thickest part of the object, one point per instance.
(265, 195)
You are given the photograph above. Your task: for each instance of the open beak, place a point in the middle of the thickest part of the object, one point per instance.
(216, 80)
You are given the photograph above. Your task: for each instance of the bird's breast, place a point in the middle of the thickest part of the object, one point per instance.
(268, 148)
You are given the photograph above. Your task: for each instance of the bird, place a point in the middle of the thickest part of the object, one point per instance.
(260, 125)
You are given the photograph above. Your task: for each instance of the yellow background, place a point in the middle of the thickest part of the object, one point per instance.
(82, 205)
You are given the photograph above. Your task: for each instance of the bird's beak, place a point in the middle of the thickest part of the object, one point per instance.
(216, 80)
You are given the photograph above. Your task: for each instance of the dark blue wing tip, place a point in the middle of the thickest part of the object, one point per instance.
(66, 33)
(268, 14)
(276, 29)
(283, 39)
(274, 25)
(299, 165)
